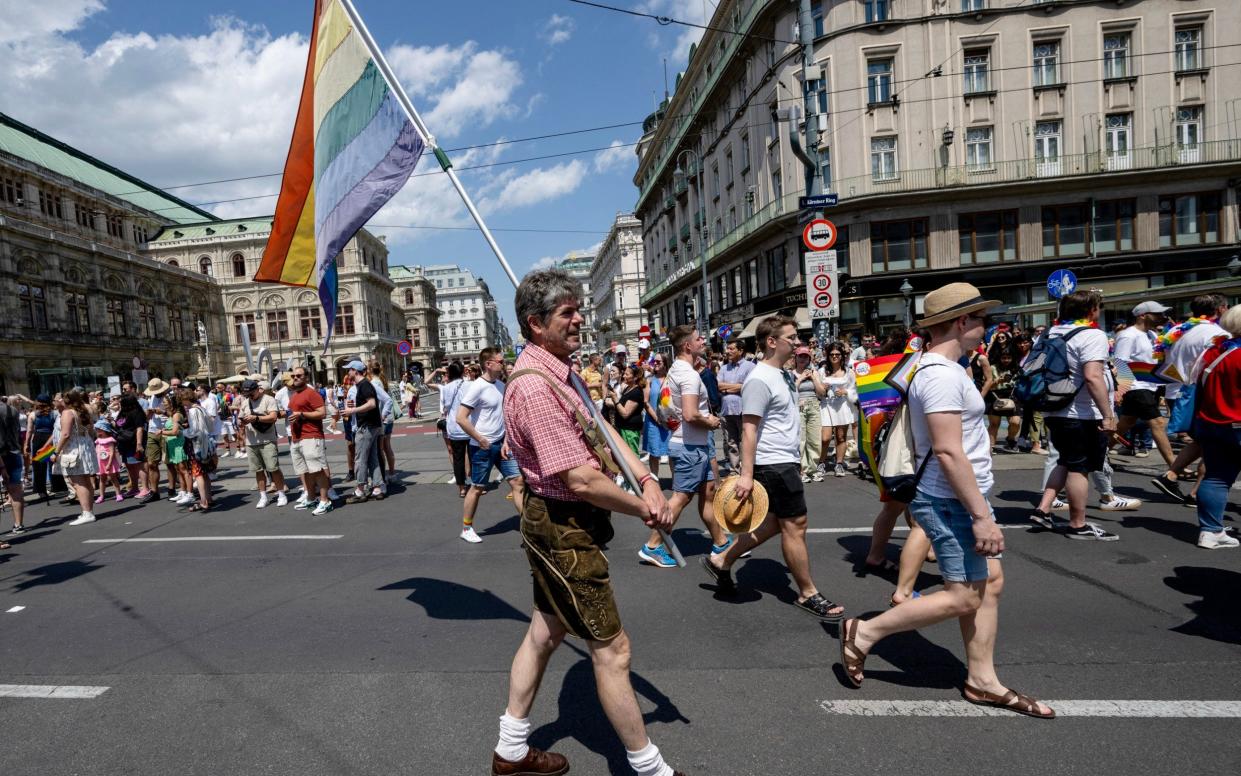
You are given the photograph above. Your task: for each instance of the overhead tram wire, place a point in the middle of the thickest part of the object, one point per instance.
(830, 93)
(665, 21)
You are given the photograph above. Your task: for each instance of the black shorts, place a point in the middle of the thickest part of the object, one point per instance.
(1079, 443)
(1141, 404)
(786, 496)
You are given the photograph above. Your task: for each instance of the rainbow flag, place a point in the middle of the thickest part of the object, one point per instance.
(881, 384)
(45, 452)
(873, 393)
(353, 148)
(1148, 373)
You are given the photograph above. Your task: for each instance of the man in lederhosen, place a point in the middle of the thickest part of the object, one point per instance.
(564, 521)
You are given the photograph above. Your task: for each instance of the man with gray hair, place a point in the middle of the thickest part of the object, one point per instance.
(566, 514)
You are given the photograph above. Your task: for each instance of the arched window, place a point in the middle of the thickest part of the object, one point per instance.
(409, 296)
(239, 265)
(204, 265)
(173, 263)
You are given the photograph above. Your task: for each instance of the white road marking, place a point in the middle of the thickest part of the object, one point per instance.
(212, 538)
(1063, 708)
(62, 691)
(14, 610)
(867, 529)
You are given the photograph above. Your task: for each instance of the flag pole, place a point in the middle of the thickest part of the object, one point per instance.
(406, 105)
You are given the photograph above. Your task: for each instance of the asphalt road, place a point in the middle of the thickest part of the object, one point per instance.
(385, 649)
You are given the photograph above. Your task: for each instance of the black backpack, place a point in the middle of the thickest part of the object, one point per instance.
(1046, 383)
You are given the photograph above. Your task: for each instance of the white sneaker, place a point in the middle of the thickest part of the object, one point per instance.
(468, 534)
(239, 454)
(183, 499)
(87, 517)
(322, 508)
(1120, 504)
(331, 494)
(1059, 506)
(281, 499)
(302, 503)
(1206, 540)
(262, 501)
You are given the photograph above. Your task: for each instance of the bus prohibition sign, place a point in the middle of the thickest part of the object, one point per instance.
(819, 234)
(823, 300)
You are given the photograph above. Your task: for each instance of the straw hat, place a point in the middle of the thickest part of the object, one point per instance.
(952, 301)
(155, 387)
(739, 516)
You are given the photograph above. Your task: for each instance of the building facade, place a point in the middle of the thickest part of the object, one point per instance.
(469, 320)
(289, 322)
(617, 282)
(579, 264)
(415, 300)
(89, 304)
(984, 140)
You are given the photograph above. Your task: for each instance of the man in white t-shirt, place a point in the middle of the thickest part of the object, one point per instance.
(1141, 401)
(770, 454)
(480, 414)
(1080, 430)
(951, 444)
(1181, 362)
(687, 414)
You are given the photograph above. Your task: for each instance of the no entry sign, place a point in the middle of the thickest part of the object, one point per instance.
(819, 234)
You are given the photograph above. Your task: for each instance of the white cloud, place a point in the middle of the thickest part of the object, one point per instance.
(175, 109)
(44, 17)
(693, 11)
(618, 156)
(547, 262)
(537, 185)
(557, 30)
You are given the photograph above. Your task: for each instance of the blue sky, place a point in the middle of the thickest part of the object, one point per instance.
(184, 93)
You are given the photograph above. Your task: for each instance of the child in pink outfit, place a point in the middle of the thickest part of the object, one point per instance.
(109, 462)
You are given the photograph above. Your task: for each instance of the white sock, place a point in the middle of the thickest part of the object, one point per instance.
(647, 761)
(513, 735)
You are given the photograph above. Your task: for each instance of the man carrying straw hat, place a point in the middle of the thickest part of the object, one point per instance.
(770, 433)
(953, 453)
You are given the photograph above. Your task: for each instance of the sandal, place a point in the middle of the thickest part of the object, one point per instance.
(818, 606)
(893, 602)
(851, 658)
(196, 507)
(887, 567)
(1010, 701)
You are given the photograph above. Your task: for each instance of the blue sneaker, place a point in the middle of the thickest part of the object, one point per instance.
(657, 556)
(720, 549)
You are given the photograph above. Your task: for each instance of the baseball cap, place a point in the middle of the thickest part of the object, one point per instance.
(802, 351)
(249, 385)
(1150, 307)
(643, 344)
(356, 365)
(619, 349)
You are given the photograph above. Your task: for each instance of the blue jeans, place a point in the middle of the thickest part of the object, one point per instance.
(951, 530)
(691, 467)
(482, 461)
(1221, 454)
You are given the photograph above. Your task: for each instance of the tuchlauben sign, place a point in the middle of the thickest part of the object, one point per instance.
(792, 297)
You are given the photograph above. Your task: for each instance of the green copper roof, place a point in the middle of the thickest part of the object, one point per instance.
(32, 145)
(200, 229)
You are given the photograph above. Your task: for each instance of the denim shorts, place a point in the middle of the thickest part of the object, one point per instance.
(951, 530)
(481, 462)
(691, 467)
(13, 467)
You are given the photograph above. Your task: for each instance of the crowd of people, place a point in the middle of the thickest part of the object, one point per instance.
(82, 448)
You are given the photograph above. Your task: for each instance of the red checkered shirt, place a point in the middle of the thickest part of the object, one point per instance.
(543, 433)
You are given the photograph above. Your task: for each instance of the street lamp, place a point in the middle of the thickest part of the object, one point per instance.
(679, 172)
(907, 291)
(1234, 266)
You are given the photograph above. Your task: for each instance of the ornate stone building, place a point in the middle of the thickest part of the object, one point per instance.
(617, 282)
(88, 305)
(287, 321)
(415, 301)
(469, 320)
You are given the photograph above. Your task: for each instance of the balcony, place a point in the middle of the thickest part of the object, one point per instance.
(680, 186)
(1019, 170)
(685, 232)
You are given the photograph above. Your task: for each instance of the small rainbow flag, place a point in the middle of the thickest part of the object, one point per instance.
(45, 452)
(873, 393)
(1148, 373)
(353, 148)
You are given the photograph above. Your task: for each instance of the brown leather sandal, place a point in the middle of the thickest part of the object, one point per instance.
(852, 658)
(1010, 701)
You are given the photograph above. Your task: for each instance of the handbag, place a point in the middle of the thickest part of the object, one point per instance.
(68, 459)
(1004, 405)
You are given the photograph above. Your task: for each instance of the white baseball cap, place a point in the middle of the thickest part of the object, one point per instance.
(1150, 307)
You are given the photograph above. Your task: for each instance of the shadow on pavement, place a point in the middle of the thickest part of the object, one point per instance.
(506, 525)
(1183, 531)
(1216, 611)
(582, 718)
(918, 662)
(444, 600)
(55, 573)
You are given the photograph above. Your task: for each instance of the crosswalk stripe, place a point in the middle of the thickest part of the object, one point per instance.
(53, 691)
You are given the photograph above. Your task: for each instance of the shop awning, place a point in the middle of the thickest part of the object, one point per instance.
(1165, 294)
(801, 315)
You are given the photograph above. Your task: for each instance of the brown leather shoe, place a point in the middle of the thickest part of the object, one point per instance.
(535, 763)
